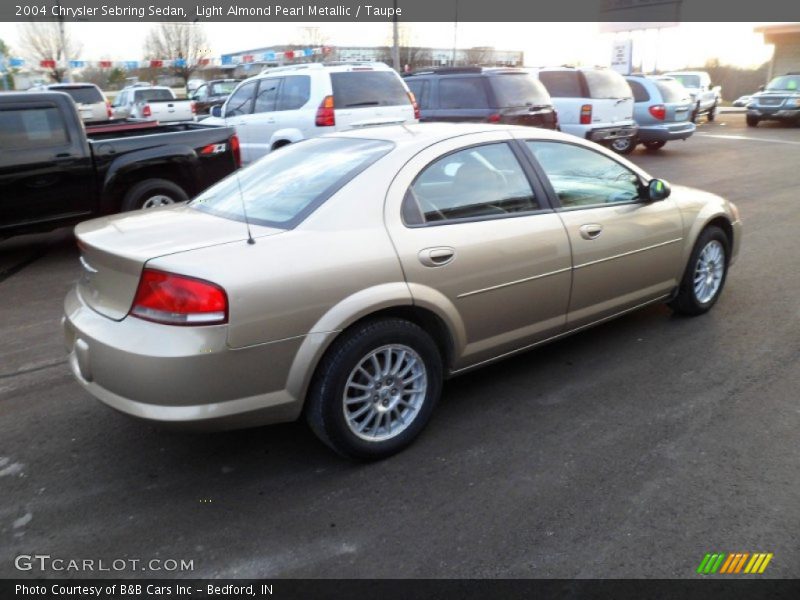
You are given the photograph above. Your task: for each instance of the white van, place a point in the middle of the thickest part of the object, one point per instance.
(284, 105)
(91, 102)
(593, 103)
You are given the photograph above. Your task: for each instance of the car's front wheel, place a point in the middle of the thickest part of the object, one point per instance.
(751, 121)
(654, 145)
(705, 274)
(623, 145)
(375, 389)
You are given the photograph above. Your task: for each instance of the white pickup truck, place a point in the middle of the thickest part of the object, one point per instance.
(706, 96)
(152, 103)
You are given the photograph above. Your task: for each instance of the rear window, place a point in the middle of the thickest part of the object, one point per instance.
(223, 87)
(562, 84)
(607, 84)
(463, 92)
(284, 187)
(671, 91)
(689, 81)
(155, 94)
(82, 95)
(368, 88)
(28, 128)
(519, 89)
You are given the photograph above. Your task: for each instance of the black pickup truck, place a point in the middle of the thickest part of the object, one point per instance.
(54, 171)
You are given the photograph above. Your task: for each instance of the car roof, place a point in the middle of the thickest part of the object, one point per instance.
(55, 86)
(568, 68)
(445, 71)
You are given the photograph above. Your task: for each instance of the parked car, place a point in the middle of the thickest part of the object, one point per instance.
(662, 109)
(482, 95)
(54, 171)
(742, 101)
(151, 103)
(592, 103)
(345, 277)
(212, 93)
(91, 102)
(284, 105)
(706, 96)
(779, 101)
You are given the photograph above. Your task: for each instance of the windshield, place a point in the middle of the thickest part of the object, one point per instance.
(519, 89)
(223, 87)
(82, 95)
(284, 187)
(149, 95)
(790, 83)
(607, 84)
(689, 81)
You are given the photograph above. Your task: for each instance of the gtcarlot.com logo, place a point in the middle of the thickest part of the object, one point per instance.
(46, 562)
(734, 563)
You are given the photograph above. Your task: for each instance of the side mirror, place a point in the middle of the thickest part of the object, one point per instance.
(761, 88)
(658, 189)
(216, 111)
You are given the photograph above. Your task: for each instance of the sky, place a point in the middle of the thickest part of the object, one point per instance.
(688, 44)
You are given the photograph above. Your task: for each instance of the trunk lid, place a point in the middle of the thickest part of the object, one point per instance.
(114, 249)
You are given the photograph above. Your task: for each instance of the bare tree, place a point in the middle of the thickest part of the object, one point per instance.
(313, 37)
(41, 41)
(186, 42)
(479, 55)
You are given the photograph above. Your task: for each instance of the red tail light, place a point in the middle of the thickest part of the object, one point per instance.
(237, 150)
(109, 112)
(586, 114)
(146, 112)
(178, 300)
(194, 107)
(659, 111)
(325, 116)
(495, 118)
(414, 104)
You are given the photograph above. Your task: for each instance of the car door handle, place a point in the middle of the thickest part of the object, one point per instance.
(591, 231)
(437, 257)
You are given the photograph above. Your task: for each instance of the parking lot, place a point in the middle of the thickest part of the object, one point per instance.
(629, 450)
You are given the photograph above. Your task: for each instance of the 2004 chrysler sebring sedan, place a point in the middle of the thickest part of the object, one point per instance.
(344, 277)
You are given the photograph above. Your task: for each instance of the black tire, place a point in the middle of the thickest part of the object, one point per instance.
(751, 121)
(686, 301)
(712, 113)
(144, 191)
(325, 409)
(655, 145)
(696, 113)
(623, 145)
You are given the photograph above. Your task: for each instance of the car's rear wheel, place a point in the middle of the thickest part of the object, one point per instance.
(375, 389)
(712, 113)
(752, 121)
(655, 145)
(152, 193)
(623, 145)
(705, 274)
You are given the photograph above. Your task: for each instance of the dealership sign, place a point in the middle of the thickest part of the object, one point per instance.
(621, 54)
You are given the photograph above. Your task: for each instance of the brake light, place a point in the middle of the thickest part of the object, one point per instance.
(109, 112)
(194, 107)
(586, 114)
(237, 150)
(325, 116)
(178, 300)
(414, 104)
(659, 111)
(146, 112)
(495, 118)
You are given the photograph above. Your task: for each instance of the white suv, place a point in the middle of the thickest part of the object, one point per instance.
(284, 105)
(594, 103)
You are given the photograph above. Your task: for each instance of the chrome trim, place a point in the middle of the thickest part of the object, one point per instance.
(502, 285)
(600, 260)
(86, 266)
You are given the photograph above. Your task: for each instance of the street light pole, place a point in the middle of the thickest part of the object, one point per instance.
(455, 34)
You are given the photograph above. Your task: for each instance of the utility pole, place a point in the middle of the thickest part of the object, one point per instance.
(455, 34)
(62, 38)
(395, 41)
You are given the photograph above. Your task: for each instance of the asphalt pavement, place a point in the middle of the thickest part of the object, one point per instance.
(629, 450)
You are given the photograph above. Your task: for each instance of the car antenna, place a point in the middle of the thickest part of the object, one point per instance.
(250, 239)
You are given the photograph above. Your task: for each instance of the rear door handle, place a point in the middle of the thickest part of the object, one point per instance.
(437, 257)
(591, 231)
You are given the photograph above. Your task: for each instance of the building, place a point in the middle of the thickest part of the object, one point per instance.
(786, 39)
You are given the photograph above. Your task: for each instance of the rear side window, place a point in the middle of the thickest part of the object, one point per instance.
(421, 90)
(267, 96)
(295, 92)
(519, 89)
(462, 92)
(82, 95)
(29, 128)
(241, 102)
(672, 91)
(353, 89)
(606, 84)
(151, 95)
(562, 84)
(639, 92)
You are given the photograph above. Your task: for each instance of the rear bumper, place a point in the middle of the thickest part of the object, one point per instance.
(184, 376)
(666, 132)
(606, 134)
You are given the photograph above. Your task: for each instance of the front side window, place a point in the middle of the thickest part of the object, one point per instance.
(267, 97)
(29, 128)
(582, 177)
(284, 187)
(483, 181)
(462, 92)
(241, 102)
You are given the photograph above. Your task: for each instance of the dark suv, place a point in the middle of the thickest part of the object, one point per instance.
(481, 95)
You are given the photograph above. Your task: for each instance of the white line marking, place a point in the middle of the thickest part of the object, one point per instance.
(750, 139)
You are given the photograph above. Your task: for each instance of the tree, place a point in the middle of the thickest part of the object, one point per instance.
(6, 77)
(312, 37)
(178, 41)
(42, 40)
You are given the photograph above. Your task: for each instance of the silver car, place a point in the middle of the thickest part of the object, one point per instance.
(345, 277)
(89, 99)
